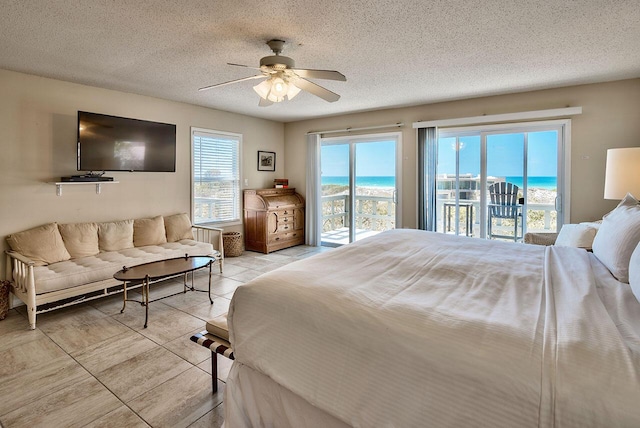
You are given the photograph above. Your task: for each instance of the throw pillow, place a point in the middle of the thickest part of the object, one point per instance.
(576, 235)
(115, 235)
(178, 227)
(149, 231)
(618, 237)
(80, 239)
(42, 244)
(634, 272)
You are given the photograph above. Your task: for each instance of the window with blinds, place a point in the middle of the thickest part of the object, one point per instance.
(216, 176)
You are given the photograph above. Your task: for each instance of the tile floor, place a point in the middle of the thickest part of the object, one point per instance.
(89, 365)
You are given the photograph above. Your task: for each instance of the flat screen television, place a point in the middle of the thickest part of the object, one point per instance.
(111, 143)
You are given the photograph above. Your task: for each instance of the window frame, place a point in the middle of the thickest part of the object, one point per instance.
(221, 223)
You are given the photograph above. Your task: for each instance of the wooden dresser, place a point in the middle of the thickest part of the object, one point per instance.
(273, 219)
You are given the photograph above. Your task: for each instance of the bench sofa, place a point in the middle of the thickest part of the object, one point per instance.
(58, 265)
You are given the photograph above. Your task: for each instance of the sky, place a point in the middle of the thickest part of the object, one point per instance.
(373, 159)
(505, 156)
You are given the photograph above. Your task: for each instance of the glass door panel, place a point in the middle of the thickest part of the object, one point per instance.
(336, 202)
(469, 184)
(505, 164)
(542, 181)
(458, 185)
(375, 188)
(446, 184)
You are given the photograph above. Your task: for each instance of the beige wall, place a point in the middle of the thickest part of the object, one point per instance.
(38, 146)
(611, 118)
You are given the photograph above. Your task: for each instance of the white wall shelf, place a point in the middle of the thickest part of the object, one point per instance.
(98, 185)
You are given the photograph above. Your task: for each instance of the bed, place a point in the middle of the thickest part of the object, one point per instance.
(412, 328)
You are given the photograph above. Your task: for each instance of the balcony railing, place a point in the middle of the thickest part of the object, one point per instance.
(377, 213)
(373, 213)
(540, 217)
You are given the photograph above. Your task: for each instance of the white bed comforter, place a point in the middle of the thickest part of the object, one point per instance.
(413, 328)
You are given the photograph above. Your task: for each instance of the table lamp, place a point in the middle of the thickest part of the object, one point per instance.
(622, 173)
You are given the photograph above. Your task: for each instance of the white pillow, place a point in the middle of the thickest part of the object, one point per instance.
(42, 244)
(178, 227)
(618, 237)
(115, 235)
(149, 231)
(576, 235)
(80, 239)
(634, 272)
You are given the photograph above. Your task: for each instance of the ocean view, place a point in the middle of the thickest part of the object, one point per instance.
(549, 183)
(372, 181)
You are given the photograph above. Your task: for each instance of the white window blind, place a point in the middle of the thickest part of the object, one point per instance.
(216, 176)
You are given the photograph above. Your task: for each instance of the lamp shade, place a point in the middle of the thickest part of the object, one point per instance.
(622, 173)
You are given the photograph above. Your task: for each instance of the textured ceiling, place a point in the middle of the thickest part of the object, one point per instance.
(393, 53)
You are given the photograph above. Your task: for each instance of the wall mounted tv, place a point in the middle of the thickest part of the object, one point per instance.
(111, 143)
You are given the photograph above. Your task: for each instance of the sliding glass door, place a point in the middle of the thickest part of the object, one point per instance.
(458, 184)
(471, 164)
(359, 187)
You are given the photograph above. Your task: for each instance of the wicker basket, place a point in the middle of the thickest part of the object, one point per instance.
(5, 288)
(232, 242)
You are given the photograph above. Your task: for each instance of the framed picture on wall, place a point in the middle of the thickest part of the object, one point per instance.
(266, 161)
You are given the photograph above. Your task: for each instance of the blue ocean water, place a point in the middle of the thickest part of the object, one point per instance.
(376, 181)
(538, 182)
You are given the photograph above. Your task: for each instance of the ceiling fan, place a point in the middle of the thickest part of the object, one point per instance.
(284, 81)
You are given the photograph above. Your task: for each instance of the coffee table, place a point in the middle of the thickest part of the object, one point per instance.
(152, 272)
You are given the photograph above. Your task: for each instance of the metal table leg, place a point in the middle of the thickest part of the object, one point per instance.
(124, 295)
(145, 291)
(210, 299)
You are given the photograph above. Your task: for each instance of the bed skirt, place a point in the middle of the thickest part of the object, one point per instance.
(252, 399)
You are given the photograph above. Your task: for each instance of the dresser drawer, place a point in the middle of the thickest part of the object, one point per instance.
(285, 226)
(285, 220)
(285, 236)
(284, 212)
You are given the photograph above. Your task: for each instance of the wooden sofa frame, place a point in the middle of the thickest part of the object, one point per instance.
(20, 273)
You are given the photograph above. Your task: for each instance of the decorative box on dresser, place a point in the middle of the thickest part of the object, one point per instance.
(273, 219)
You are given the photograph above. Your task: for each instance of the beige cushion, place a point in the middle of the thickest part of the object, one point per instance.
(42, 244)
(219, 327)
(576, 235)
(80, 239)
(634, 272)
(618, 237)
(71, 273)
(115, 235)
(149, 231)
(178, 227)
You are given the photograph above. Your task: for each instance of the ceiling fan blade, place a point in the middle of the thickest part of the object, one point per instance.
(317, 90)
(242, 65)
(320, 74)
(258, 76)
(264, 103)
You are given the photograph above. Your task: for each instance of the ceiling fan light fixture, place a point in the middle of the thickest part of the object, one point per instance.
(279, 87)
(274, 89)
(293, 91)
(263, 88)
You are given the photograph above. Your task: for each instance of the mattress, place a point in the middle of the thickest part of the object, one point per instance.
(409, 328)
